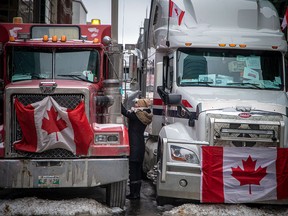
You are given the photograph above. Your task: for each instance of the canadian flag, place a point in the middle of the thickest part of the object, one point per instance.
(46, 125)
(175, 12)
(285, 20)
(243, 174)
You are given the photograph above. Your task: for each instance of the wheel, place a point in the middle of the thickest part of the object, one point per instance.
(116, 194)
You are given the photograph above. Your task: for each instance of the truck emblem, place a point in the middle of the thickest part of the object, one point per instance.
(47, 87)
(244, 115)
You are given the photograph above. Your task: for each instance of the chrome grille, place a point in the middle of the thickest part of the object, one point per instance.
(257, 131)
(65, 100)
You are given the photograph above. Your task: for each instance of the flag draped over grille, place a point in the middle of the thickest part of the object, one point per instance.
(46, 125)
(243, 174)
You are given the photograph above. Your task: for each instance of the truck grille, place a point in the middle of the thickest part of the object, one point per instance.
(69, 101)
(257, 131)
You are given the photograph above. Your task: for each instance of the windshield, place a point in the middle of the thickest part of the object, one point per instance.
(30, 63)
(230, 68)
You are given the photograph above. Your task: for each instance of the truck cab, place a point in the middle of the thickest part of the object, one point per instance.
(62, 125)
(220, 81)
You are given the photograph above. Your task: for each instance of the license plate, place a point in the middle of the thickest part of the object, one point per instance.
(48, 181)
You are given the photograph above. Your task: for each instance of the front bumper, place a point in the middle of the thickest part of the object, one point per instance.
(171, 186)
(22, 173)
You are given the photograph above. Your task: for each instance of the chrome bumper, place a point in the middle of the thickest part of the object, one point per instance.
(62, 173)
(171, 187)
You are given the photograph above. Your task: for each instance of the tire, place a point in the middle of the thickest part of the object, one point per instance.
(116, 194)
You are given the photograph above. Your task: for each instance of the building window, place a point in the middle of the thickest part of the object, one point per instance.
(25, 10)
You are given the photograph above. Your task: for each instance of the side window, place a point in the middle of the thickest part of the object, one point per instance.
(105, 67)
(167, 72)
(286, 72)
(156, 15)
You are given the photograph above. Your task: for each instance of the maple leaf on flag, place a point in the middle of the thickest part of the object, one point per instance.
(249, 175)
(52, 125)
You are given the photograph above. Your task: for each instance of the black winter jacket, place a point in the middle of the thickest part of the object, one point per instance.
(136, 134)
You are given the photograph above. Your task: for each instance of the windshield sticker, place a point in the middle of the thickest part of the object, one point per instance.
(250, 74)
(253, 62)
(89, 75)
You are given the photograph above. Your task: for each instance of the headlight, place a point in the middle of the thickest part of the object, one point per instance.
(107, 138)
(183, 154)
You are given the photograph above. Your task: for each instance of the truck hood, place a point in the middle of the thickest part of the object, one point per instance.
(223, 98)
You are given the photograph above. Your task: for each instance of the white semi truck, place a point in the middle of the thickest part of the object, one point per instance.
(219, 80)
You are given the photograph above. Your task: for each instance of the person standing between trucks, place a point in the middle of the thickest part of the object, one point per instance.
(138, 118)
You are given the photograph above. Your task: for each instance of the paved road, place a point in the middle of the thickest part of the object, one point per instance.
(146, 206)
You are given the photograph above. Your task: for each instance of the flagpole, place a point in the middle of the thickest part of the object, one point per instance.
(168, 25)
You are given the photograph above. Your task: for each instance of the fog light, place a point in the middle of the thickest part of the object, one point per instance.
(183, 183)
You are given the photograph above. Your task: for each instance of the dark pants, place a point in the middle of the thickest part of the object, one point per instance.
(135, 174)
(135, 171)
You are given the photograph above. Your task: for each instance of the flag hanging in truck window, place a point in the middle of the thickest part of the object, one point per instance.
(46, 125)
(243, 174)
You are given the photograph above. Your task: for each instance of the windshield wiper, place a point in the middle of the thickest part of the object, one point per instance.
(207, 83)
(256, 85)
(74, 76)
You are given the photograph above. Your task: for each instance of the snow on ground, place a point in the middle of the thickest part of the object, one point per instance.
(225, 210)
(32, 206)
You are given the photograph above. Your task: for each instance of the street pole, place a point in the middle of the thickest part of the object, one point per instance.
(114, 20)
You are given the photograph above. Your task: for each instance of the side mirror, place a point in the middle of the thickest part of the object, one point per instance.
(169, 98)
(174, 99)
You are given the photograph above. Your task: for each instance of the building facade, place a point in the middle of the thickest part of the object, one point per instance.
(42, 11)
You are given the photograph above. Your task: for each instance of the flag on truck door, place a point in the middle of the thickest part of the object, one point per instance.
(46, 125)
(243, 174)
(285, 20)
(176, 12)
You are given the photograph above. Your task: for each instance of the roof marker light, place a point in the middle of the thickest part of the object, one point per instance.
(54, 38)
(242, 45)
(12, 39)
(222, 45)
(274, 47)
(45, 38)
(188, 44)
(95, 40)
(63, 38)
(96, 22)
(232, 45)
(17, 20)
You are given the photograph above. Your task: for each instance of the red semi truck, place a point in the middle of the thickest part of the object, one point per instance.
(61, 123)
